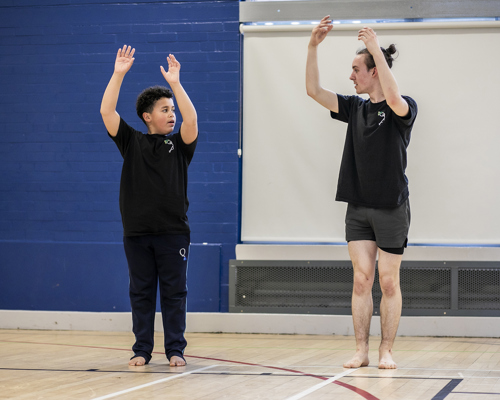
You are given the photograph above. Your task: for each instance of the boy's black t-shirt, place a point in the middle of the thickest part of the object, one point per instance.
(153, 186)
(372, 172)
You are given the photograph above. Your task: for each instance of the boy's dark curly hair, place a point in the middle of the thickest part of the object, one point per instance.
(370, 63)
(148, 97)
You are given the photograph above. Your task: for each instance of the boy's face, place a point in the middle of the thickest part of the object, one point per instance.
(361, 76)
(161, 121)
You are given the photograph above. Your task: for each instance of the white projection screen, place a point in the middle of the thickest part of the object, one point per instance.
(292, 148)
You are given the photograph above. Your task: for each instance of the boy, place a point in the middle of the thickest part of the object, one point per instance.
(153, 204)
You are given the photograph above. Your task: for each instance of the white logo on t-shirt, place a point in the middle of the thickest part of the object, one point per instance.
(168, 141)
(381, 114)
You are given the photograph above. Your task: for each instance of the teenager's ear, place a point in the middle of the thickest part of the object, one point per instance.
(146, 116)
(374, 72)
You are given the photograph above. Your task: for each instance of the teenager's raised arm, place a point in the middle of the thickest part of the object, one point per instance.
(124, 60)
(189, 127)
(387, 80)
(326, 98)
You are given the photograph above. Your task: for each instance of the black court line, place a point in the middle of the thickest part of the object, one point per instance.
(436, 378)
(161, 372)
(221, 373)
(150, 372)
(89, 370)
(447, 389)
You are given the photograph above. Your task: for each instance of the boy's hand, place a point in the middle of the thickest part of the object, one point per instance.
(124, 60)
(319, 32)
(174, 66)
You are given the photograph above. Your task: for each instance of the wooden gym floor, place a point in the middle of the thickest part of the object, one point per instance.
(93, 365)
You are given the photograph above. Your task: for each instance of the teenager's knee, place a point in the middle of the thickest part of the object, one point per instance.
(362, 284)
(389, 285)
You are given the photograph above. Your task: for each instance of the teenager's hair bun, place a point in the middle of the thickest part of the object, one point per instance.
(370, 62)
(391, 49)
(388, 54)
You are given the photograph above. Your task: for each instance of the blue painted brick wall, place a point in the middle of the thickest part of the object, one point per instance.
(59, 172)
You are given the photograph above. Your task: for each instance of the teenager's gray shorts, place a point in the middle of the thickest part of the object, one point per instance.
(386, 226)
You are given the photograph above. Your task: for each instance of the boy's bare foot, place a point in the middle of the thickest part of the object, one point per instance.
(386, 361)
(137, 361)
(176, 361)
(359, 360)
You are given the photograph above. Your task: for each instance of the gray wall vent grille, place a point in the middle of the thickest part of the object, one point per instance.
(325, 287)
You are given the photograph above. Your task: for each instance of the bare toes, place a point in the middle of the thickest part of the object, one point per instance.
(176, 361)
(356, 363)
(137, 361)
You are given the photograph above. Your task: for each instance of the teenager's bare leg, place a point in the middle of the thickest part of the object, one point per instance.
(390, 305)
(363, 255)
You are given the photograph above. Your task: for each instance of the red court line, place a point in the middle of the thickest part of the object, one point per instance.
(355, 389)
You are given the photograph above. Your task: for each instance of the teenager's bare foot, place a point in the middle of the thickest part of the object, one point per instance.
(359, 360)
(386, 361)
(137, 361)
(176, 361)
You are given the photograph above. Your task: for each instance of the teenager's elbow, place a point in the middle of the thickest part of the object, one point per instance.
(398, 105)
(312, 92)
(312, 88)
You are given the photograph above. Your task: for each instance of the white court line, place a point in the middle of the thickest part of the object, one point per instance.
(108, 396)
(320, 385)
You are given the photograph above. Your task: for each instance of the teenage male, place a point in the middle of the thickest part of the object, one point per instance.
(372, 181)
(153, 204)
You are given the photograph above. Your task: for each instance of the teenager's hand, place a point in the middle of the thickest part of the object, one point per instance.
(369, 38)
(319, 32)
(174, 67)
(124, 59)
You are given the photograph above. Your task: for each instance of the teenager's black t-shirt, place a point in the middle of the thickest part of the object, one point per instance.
(372, 172)
(153, 186)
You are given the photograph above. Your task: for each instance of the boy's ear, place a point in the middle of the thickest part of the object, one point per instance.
(146, 116)
(374, 72)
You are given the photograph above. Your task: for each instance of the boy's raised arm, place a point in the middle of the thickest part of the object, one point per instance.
(189, 127)
(124, 60)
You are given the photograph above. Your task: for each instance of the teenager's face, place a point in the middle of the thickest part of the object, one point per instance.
(361, 76)
(161, 120)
